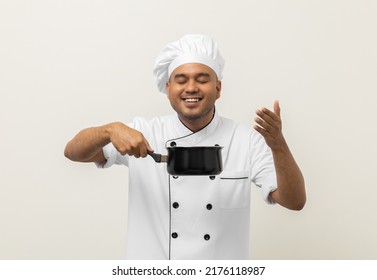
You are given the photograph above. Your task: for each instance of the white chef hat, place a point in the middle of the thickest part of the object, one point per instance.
(191, 48)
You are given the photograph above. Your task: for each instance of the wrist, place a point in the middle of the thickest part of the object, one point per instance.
(282, 148)
(107, 131)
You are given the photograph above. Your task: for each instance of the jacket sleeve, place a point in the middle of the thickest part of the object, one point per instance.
(262, 171)
(113, 156)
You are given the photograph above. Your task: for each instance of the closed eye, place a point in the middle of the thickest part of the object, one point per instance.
(202, 81)
(203, 78)
(181, 81)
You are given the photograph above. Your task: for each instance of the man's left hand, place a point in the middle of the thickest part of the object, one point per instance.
(269, 125)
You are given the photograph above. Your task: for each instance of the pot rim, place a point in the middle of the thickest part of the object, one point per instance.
(195, 147)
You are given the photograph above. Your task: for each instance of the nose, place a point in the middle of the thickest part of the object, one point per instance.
(192, 87)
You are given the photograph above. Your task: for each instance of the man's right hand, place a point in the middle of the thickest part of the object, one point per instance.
(87, 145)
(128, 140)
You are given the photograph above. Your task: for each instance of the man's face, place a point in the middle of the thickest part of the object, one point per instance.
(192, 91)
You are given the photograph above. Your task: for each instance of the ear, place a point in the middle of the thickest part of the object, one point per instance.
(218, 89)
(167, 86)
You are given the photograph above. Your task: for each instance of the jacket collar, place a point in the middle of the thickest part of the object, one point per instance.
(185, 137)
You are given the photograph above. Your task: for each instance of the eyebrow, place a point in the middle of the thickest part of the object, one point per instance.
(201, 74)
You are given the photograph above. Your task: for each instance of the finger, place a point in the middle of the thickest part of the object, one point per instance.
(145, 148)
(149, 148)
(263, 112)
(268, 118)
(277, 108)
(134, 152)
(262, 131)
(263, 124)
(122, 149)
(139, 152)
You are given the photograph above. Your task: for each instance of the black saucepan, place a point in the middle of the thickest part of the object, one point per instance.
(200, 160)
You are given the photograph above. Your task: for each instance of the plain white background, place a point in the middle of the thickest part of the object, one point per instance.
(67, 65)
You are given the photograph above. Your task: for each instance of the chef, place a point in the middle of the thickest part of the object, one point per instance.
(194, 217)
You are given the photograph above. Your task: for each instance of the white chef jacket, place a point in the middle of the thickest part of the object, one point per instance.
(194, 217)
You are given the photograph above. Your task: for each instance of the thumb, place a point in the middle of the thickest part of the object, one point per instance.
(149, 148)
(277, 107)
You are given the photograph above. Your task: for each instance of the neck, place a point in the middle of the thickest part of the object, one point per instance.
(198, 123)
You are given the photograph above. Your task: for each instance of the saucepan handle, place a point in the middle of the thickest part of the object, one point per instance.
(158, 157)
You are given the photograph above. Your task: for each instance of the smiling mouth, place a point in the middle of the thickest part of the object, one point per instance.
(191, 100)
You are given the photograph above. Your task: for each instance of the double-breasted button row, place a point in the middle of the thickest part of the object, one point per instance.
(206, 236)
(176, 205)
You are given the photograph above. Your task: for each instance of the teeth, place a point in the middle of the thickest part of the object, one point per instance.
(192, 99)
